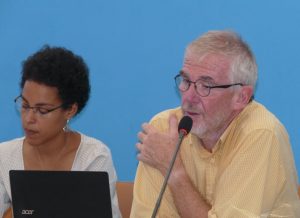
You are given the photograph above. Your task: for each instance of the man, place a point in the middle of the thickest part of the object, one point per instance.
(237, 161)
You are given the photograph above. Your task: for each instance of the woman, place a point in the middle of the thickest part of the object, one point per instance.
(54, 88)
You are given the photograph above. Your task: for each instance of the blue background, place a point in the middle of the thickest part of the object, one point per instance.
(134, 48)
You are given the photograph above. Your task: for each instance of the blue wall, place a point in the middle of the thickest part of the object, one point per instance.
(134, 48)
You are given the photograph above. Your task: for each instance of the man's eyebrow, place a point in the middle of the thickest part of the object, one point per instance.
(202, 78)
(207, 79)
(182, 73)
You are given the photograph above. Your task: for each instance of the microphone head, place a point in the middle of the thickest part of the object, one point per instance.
(185, 125)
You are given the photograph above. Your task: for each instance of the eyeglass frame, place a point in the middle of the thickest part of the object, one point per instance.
(35, 109)
(225, 86)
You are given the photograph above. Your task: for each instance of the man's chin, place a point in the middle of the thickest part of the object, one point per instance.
(198, 131)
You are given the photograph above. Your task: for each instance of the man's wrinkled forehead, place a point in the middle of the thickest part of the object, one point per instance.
(192, 56)
(216, 66)
(210, 61)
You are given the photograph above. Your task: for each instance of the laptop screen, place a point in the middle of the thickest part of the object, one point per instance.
(60, 194)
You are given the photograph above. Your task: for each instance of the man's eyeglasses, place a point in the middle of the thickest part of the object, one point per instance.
(23, 107)
(201, 88)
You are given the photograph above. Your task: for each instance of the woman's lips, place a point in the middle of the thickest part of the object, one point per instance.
(30, 132)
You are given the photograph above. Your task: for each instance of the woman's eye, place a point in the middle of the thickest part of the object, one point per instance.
(42, 110)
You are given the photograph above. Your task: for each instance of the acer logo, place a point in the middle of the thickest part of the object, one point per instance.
(27, 212)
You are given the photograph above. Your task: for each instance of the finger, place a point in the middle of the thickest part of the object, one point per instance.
(138, 146)
(173, 125)
(139, 156)
(147, 128)
(144, 126)
(141, 136)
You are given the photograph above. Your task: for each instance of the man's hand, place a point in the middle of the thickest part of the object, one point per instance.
(156, 148)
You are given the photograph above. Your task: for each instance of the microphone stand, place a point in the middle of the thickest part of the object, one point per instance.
(182, 133)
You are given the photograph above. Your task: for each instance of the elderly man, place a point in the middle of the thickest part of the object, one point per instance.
(237, 161)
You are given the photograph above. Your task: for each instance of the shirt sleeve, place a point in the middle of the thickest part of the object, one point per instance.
(4, 199)
(104, 162)
(147, 186)
(148, 182)
(10, 158)
(260, 180)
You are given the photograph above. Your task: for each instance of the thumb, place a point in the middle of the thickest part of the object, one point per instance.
(173, 125)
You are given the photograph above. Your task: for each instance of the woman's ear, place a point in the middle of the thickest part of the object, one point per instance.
(71, 111)
(243, 97)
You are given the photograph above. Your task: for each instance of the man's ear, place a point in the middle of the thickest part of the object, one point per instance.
(71, 111)
(243, 97)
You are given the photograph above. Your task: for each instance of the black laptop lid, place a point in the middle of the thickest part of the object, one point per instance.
(60, 194)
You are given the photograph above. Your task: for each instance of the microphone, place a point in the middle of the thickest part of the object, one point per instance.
(184, 127)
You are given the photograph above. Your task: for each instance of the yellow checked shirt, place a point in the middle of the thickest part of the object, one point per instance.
(250, 173)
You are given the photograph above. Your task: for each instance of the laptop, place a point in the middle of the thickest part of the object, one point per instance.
(60, 194)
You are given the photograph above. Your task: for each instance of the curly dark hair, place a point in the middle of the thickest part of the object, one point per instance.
(61, 68)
